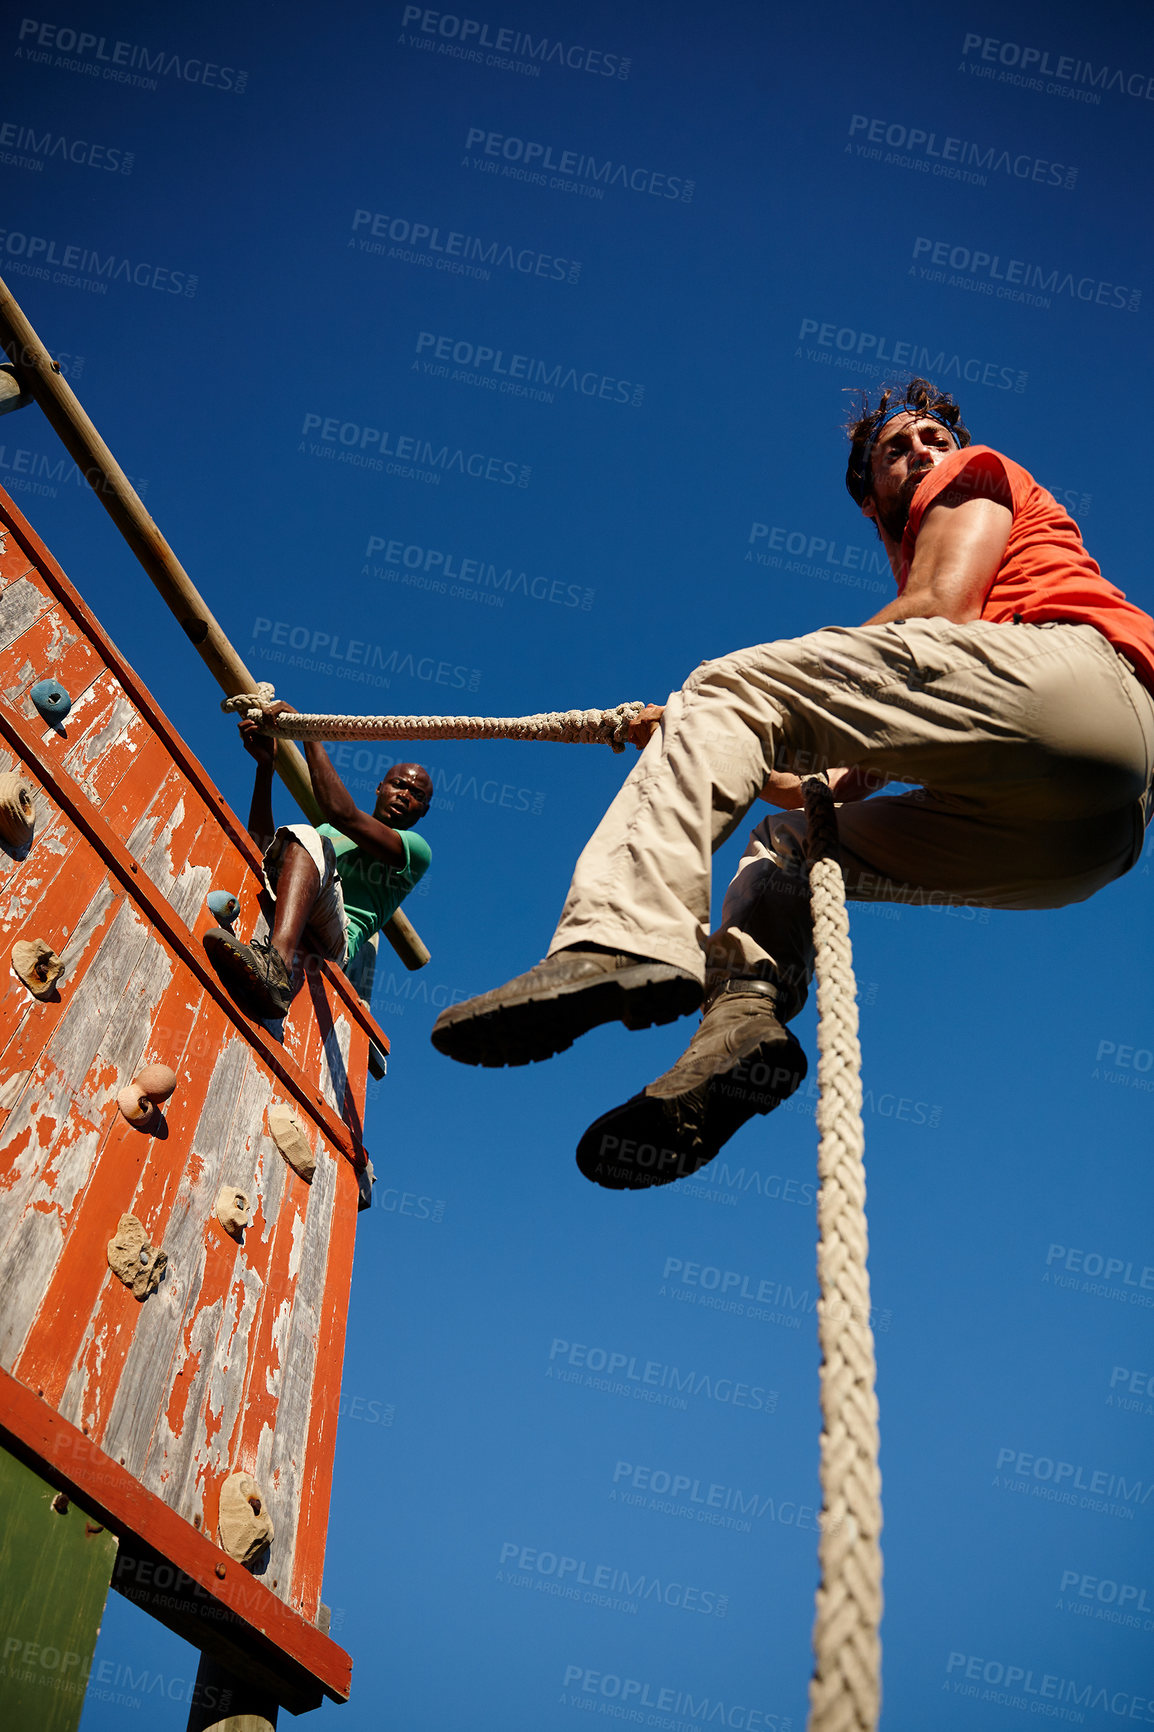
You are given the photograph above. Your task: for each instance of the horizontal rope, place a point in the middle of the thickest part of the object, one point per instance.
(567, 727)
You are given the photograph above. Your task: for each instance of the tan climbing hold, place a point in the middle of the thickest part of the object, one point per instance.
(245, 1526)
(17, 810)
(288, 1134)
(136, 1106)
(232, 1209)
(37, 965)
(138, 1102)
(157, 1081)
(133, 1260)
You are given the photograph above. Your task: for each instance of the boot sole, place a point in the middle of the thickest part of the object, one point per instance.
(550, 1019)
(238, 975)
(635, 1146)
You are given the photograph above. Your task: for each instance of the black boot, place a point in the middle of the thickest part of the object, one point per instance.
(741, 1061)
(542, 1012)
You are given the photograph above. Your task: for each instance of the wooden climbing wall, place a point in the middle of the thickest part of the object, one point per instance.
(145, 1406)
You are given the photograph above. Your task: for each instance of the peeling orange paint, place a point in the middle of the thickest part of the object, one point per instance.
(191, 1383)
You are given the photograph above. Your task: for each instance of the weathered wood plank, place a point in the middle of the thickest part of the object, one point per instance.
(283, 1449)
(77, 1083)
(21, 604)
(188, 1031)
(179, 1035)
(309, 1558)
(160, 1348)
(193, 1443)
(65, 1118)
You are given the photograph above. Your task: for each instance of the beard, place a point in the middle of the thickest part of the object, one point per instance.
(894, 514)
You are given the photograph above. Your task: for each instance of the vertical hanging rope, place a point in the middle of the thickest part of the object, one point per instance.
(845, 1692)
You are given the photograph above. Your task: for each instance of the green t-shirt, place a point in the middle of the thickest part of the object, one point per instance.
(372, 890)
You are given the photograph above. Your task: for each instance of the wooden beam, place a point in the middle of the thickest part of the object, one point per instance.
(40, 377)
(173, 1572)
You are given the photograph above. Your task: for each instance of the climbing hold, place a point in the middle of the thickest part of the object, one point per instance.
(138, 1102)
(224, 907)
(245, 1525)
(37, 965)
(136, 1106)
(288, 1134)
(12, 394)
(17, 811)
(232, 1209)
(157, 1081)
(133, 1260)
(51, 700)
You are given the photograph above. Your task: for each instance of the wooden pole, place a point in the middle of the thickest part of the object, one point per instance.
(40, 377)
(224, 1701)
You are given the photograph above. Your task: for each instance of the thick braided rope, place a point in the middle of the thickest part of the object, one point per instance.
(845, 1692)
(569, 727)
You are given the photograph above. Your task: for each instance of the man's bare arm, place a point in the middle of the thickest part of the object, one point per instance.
(337, 805)
(959, 547)
(261, 747)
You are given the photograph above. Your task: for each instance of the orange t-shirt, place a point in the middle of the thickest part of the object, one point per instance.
(1046, 573)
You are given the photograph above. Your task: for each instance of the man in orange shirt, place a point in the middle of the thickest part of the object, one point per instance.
(1008, 680)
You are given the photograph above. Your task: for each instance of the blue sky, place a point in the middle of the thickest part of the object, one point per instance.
(861, 179)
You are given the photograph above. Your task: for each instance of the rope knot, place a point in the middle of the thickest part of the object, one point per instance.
(251, 704)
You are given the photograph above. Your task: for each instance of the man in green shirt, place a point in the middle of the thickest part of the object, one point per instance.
(341, 880)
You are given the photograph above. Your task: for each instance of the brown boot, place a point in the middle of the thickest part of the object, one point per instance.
(741, 1061)
(544, 1011)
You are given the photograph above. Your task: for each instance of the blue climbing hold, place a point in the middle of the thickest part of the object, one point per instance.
(224, 906)
(51, 700)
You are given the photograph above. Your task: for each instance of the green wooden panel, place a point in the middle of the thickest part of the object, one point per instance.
(55, 1567)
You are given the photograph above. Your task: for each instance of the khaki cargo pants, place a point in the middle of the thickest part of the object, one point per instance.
(1031, 747)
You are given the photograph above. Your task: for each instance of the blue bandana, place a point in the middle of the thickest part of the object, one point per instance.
(903, 409)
